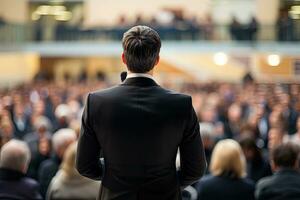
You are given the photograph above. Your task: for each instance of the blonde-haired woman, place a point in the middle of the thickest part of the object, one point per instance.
(228, 169)
(68, 183)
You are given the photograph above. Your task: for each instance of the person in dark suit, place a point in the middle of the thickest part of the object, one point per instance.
(228, 169)
(14, 161)
(285, 183)
(20, 121)
(139, 126)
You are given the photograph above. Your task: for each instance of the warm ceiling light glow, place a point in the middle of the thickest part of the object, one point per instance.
(57, 10)
(294, 12)
(296, 7)
(273, 60)
(43, 10)
(64, 16)
(35, 16)
(220, 58)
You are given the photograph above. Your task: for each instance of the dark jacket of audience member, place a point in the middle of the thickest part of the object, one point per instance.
(285, 183)
(14, 185)
(224, 187)
(228, 168)
(47, 171)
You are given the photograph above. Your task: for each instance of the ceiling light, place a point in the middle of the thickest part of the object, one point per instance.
(274, 60)
(220, 58)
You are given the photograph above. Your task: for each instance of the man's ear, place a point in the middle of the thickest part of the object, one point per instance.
(124, 59)
(157, 61)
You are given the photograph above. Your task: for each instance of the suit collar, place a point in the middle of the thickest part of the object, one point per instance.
(140, 81)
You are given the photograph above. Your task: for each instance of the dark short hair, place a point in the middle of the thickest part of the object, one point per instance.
(141, 46)
(285, 155)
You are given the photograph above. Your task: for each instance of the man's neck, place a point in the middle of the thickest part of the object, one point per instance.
(146, 75)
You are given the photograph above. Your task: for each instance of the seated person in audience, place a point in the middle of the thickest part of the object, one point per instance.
(233, 121)
(285, 183)
(48, 168)
(275, 137)
(257, 166)
(228, 167)
(14, 160)
(20, 120)
(39, 144)
(6, 129)
(209, 138)
(68, 183)
(295, 138)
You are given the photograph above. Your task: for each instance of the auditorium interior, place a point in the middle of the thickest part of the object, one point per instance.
(238, 59)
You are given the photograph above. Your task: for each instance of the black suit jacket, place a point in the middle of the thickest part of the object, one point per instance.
(283, 185)
(139, 126)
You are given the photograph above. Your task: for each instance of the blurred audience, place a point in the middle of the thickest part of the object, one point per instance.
(276, 136)
(260, 116)
(257, 166)
(39, 143)
(285, 183)
(209, 138)
(68, 183)
(228, 169)
(14, 161)
(48, 168)
(295, 138)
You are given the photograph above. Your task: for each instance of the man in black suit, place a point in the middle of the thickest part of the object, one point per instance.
(285, 183)
(14, 160)
(139, 126)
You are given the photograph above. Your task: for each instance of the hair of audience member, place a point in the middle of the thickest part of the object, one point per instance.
(228, 159)
(61, 139)
(251, 150)
(68, 163)
(285, 155)
(207, 130)
(15, 155)
(63, 110)
(42, 122)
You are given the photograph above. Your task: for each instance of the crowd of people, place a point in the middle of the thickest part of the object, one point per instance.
(250, 133)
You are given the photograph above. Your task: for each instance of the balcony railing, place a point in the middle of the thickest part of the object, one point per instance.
(16, 34)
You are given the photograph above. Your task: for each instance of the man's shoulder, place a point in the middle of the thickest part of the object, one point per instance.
(29, 182)
(105, 91)
(266, 182)
(118, 89)
(49, 165)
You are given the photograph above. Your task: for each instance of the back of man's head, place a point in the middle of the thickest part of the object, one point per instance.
(15, 155)
(141, 46)
(285, 155)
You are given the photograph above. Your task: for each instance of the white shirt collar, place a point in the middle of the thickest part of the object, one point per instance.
(133, 75)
